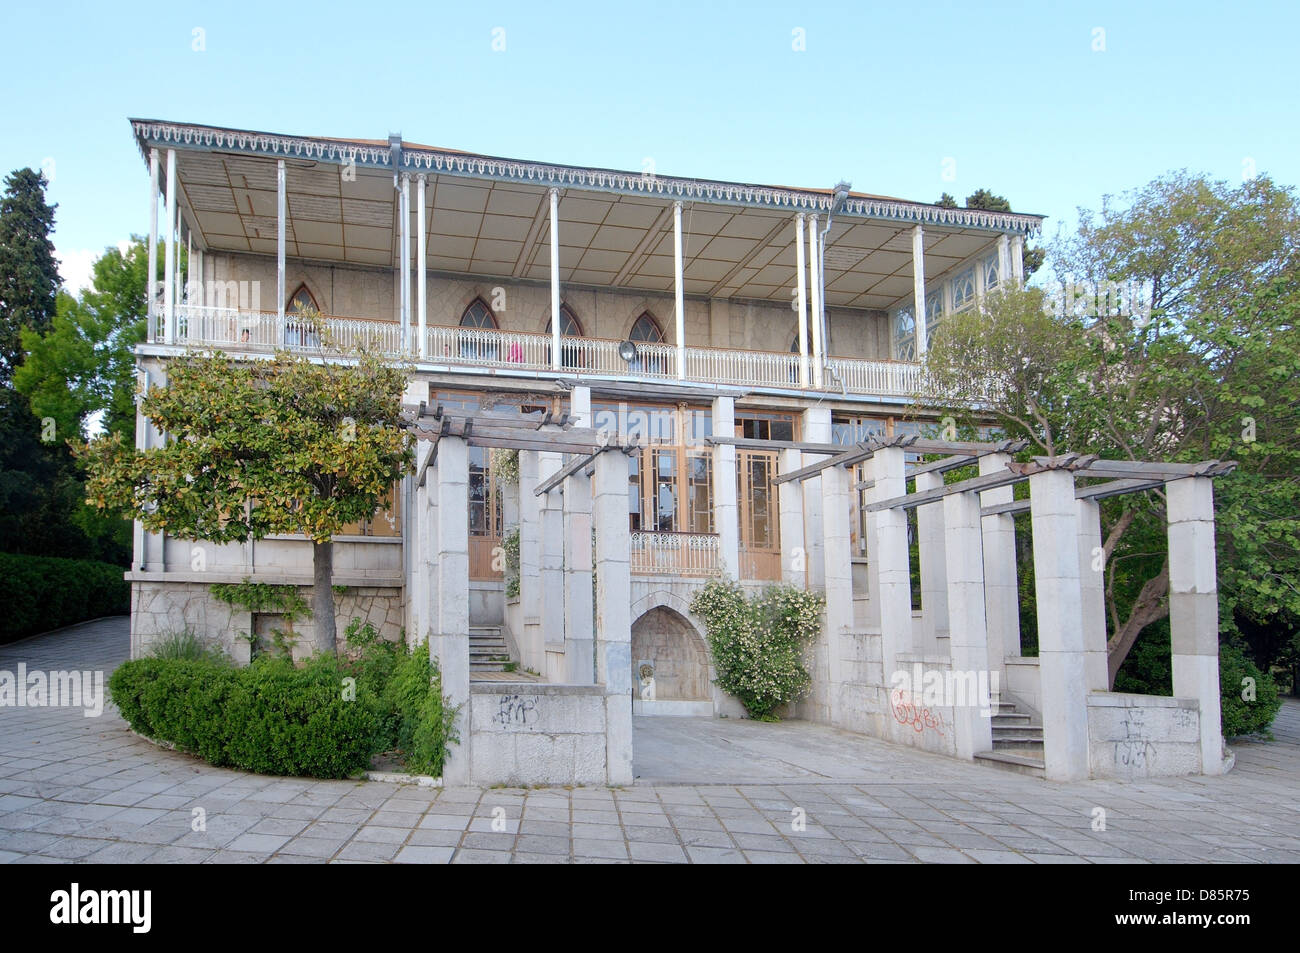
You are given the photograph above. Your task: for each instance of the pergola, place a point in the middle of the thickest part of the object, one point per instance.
(596, 645)
(968, 567)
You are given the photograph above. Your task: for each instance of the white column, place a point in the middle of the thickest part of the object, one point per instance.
(931, 544)
(169, 257)
(837, 486)
(1092, 594)
(1018, 258)
(550, 576)
(530, 556)
(1001, 587)
(405, 246)
(421, 279)
(889, 562)
(679, 296)
(918, 290)
(1064, 682)
(800, 278)
(1194, 608)
(555, 280)
(816, 429)
(965, 599)
(579, 641)
(151, 283)
(814, 285)
(449, 643)
(726, 515)
(279, 246)
(613, 602)
(794, 559)
(1004, 259)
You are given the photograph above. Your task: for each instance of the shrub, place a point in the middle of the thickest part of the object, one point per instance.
(185, 645)
(46, 592)
(1254, 712)
(422, 723)
(758, 644)
(270, 718)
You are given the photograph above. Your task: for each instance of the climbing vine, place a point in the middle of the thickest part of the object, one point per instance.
(758, 643)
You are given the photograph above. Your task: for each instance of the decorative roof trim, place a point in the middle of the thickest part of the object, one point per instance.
(152, 133)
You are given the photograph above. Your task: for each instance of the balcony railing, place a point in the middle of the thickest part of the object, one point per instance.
(522, 350)
(676, 554)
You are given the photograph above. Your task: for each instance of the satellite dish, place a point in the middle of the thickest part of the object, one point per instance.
(627, 351)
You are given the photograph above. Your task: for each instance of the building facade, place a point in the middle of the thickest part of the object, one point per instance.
(730, 335)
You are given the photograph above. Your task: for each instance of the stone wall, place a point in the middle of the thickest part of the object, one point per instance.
(1142, 736)
(669, 644)
(160, 608)
(525, 733)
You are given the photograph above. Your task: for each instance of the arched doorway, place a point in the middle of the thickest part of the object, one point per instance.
(670, 665)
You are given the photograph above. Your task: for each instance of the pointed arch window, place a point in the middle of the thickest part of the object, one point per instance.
(646, 330)
(475, 345)
(301, 332)
(570, 354)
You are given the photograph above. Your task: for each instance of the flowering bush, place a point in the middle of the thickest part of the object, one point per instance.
(758, 643)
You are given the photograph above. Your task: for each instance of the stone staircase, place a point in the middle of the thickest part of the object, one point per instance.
(488, 651)
(1017, 742)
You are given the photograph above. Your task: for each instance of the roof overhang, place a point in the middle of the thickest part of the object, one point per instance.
(489, 216)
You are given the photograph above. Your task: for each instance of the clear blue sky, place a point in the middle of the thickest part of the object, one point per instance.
(1015, 94)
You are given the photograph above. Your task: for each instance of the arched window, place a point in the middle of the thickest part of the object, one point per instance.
(478, 347)
(570, 354)
(646, 330)
(301, 333)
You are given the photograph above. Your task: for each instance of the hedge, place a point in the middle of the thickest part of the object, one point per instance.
(270, 718)
(46, 592)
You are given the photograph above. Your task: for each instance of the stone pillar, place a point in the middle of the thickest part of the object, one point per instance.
(614, 611)
(890, 564)
(1194, 608)
(837, 551)
(1060, 624)
(1092, 595)
(816, 429)
(550, 561)
(449, 642)
(794, 558)
(1001, 588)
(579, 644)
(871, 621)
(530, 558)
(726, 514)
(428, 560)
(932, 637)
(969, 640)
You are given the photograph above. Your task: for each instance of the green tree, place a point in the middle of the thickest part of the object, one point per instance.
(29, 274)
(84, 364)
(984, 199)
(1211, 369)
(258, 447)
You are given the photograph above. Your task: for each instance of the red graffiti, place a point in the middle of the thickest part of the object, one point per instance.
(908, 712)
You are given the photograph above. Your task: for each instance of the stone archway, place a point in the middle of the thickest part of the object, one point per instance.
(665, 640)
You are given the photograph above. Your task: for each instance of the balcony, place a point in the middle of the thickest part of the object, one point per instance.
(201, 326)
(675, 554)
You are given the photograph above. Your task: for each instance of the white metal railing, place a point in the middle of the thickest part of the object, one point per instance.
(677, 554)
(488, 347)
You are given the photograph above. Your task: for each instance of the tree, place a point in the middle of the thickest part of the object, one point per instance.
(946, 201)
(84, 363)
(286, 445)
(29, 274)
(1209, 368)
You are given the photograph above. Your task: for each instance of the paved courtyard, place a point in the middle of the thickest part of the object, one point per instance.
(84, 789)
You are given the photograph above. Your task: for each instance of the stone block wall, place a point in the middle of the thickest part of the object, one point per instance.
(537, 733)
(1142, 736)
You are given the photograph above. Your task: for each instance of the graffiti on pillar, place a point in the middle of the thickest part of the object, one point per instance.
(517, 711)
(908, 711)
(1135, 750)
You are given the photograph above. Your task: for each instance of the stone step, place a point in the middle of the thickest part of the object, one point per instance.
(1033, 744)
(1009, 718)
(1010, 761)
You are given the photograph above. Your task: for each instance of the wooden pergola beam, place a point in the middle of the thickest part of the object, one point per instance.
(849, 456)
(753, 443)
(1101, 491)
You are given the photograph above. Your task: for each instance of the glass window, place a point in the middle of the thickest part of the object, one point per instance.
(301, 333)
(963, 290)
(904, 334)
(991, 275)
